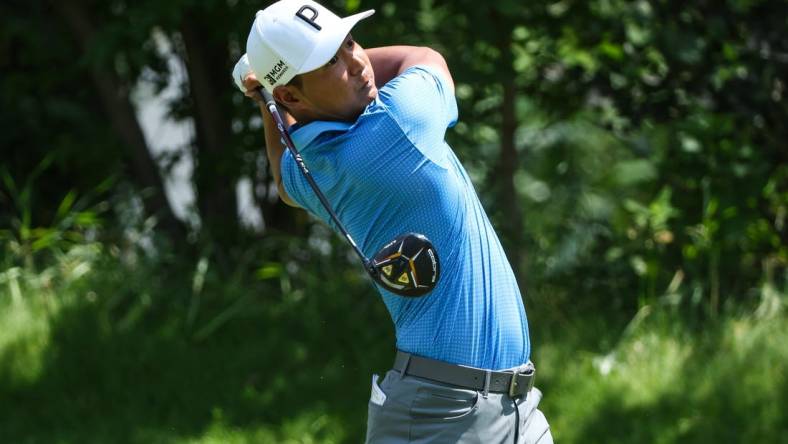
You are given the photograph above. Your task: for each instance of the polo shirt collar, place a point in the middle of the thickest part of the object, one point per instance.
(304, 135)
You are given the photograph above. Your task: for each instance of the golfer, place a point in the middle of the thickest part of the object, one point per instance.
(370, 125)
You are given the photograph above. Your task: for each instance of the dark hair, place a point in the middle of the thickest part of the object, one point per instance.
(296, 82)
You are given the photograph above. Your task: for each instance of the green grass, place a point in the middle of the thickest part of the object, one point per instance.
(664, 384)
(101, 347)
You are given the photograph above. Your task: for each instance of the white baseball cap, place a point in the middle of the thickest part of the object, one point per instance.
(293, 37)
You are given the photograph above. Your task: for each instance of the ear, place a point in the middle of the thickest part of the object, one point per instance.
(288, 96)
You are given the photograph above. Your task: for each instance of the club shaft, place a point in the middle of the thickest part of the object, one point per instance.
(270, 104)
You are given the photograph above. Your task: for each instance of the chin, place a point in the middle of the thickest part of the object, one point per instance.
(363, 103)
(369, 96)
(372, 95)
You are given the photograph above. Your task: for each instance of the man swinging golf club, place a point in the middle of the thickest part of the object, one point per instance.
(365, 152)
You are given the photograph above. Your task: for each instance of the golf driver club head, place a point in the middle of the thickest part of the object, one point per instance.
(407, 266)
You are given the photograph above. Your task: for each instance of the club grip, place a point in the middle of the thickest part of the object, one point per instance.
(270, 103)
(267, 97)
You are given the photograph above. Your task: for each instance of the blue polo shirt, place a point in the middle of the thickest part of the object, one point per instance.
(392, 172)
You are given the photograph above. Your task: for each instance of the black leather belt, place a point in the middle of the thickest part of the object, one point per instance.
(510, 382)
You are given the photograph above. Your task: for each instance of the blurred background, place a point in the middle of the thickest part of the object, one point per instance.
(633, 156)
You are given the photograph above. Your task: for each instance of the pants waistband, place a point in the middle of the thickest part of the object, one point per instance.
(514, 382)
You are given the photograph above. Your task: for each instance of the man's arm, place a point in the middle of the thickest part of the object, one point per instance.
(390, 61)
(273, 143)
(247, 82)
(274, 150)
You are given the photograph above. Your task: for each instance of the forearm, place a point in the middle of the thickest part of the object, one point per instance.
(247, 82)
(274, 149)
(390, 61)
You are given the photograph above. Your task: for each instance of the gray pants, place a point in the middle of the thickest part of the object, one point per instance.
(415, 410)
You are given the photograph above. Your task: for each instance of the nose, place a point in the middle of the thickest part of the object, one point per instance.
(355, 63)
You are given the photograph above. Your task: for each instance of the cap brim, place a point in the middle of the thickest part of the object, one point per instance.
(329, 42)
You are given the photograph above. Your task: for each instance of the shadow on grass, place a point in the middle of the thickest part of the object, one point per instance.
(150, 383)
(725, 394)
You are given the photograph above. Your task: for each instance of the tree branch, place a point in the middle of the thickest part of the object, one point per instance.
(114, 96)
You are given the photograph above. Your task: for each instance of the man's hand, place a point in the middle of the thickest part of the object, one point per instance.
(251, 84)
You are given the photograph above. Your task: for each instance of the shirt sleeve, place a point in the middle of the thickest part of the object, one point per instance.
(422, 102)
(292, 178)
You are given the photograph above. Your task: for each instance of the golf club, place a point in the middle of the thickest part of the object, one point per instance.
(406, 266)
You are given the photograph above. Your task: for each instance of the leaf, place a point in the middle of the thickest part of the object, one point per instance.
(40, 168)
(65, 206)
(633, 172)
(270, 270)
(86, 219)
(238, 308)
(611, 50)
(9, 183)
(44, 238)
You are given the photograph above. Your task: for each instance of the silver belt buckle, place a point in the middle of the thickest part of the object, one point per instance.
(514, 384)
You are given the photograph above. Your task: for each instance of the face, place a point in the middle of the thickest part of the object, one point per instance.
(340, 90)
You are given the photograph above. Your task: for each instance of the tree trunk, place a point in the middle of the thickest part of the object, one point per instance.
(503, 184)
(508, 163)
(115, 98)
(216, 171)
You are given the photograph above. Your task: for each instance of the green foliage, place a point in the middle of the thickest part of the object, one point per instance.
(71, 224)
(617, 106)
(116, 351)
(663, 382)
(210, 358)
(634, 151)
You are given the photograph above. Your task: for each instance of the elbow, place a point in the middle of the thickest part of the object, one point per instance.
(434, 54)
(435, 59)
